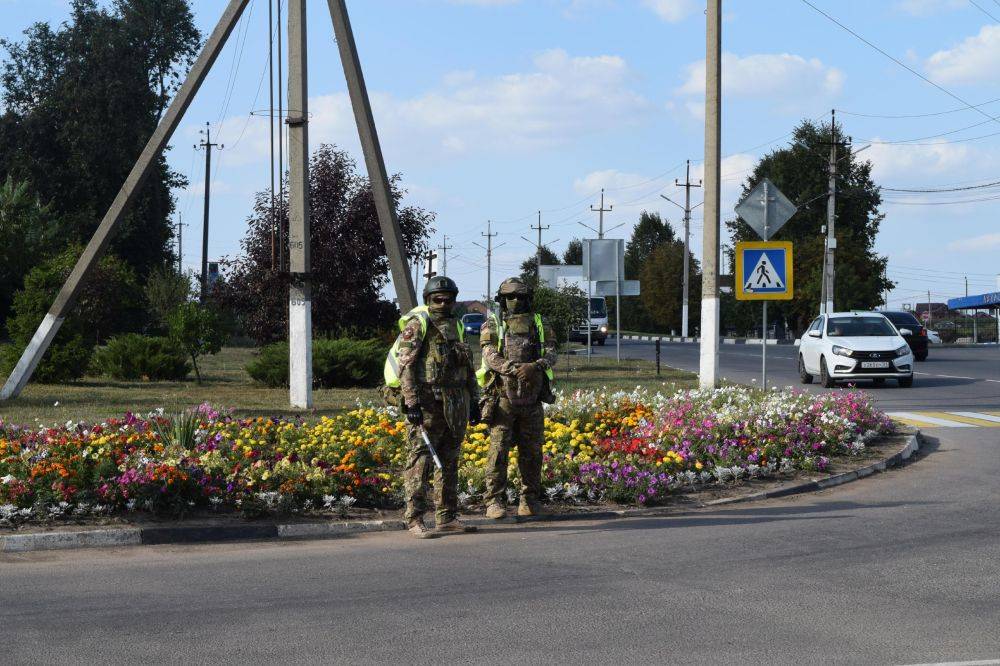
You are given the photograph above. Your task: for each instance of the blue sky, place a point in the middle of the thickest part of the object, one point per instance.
(495, 109)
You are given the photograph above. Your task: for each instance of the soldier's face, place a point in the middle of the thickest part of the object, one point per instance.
(442, 304)
(516, 303)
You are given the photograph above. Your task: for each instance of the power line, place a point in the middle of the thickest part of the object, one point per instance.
(939, 203)
(949, 189)
(915, 115)
(899, 62)
(977, 6)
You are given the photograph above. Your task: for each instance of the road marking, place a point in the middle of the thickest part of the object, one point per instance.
(978, 415)
(920, 419)
(981, 662)
(972, 419)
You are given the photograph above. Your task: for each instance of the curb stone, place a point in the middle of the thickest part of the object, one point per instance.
(143, 536)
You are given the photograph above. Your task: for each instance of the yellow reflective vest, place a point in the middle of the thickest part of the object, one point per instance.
(483, 373)
(390, 372)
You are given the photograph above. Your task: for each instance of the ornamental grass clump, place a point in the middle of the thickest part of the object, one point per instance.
(626, 447)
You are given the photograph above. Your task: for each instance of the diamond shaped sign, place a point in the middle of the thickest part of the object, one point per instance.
(766, 197)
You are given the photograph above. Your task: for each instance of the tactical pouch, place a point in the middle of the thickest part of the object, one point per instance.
(546, 395)
(392, 396)
(488, 407)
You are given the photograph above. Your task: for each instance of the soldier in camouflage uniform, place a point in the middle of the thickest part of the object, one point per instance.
(440, 394)
(519, 352)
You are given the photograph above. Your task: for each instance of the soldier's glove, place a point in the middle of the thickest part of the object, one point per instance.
(526, 371)
(475, 413)
(414, 414)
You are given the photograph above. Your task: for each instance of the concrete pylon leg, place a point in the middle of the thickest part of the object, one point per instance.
(300, 289)
(126, 196)
(377, 174)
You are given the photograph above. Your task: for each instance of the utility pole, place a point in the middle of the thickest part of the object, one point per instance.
(180, 246)
(281, 146)
(489, 235)
(270, 125)
(206, 145)
(829, 275)
(930, 316)
(444, 247)
(299, 260)
(601, 211)
(708, 365)
(975, 315)
(687, 185)
(538, 249)
(429, 257)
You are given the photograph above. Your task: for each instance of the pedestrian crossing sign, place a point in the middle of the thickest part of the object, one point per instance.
(764, 271)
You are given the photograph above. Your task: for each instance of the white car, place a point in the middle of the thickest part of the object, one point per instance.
(850, 346)
(933, 337)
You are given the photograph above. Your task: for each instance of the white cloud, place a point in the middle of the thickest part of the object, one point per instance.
(924, 8)
(974, 61)
(918, 162)
(986, 242)
(672, 11)
(559, 100)
(772, 75)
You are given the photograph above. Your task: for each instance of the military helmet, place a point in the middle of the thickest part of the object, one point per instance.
(513, 286)
(440, 284)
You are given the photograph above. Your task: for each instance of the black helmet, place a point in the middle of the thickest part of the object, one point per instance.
(440, 284)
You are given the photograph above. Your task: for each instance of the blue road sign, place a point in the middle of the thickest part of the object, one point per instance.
(764, 271)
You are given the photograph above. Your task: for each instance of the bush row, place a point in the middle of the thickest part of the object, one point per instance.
(337, 363)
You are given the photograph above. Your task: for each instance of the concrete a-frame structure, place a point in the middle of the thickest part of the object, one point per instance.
(300, 294)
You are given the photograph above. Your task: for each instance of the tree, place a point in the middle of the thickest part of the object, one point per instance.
(79, 103)
(26, 230)
(649, 234)
(198, 330)
(663, 286)
(573, 256)
(561, 308)
(349, 263)
(529, 267)
(166, 289)
(800, 171)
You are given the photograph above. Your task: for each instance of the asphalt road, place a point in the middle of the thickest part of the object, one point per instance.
(901, 568)
(950, 378)
(898, 569)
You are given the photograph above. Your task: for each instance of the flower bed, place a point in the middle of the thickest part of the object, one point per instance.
(630, 448)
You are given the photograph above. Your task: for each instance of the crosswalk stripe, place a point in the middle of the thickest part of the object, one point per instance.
(967, 417)
(993, 419)
(918, 419)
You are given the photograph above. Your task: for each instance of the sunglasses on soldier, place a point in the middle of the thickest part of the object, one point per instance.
(442, 299)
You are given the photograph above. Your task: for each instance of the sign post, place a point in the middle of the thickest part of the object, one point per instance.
(764, 269)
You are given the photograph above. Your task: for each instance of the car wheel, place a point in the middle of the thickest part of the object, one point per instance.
(824, 375)
(920, 357)
(905, 382)
(601, 342)
(804, 376)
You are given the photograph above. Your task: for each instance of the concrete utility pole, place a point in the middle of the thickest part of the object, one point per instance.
(180, 244)
(708, 367)
(687, 185)
(538, 246)
(601, 211)
(270, 123)
(126, 196)
(299, 261)
(489, 235)
(930, 316)
(831, 215)
(444, 247)
(372, 149)
(206, 145)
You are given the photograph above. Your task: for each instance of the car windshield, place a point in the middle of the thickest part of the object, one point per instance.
(858, 327)
(474, 319)
(598, 308)
(902, 319)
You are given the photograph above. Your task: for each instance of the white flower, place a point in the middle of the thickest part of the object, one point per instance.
(8, 480)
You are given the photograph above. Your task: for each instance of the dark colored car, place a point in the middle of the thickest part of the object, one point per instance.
(473, 322)
(918, 333)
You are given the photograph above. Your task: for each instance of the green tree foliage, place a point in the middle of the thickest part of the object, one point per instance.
(80, 100)
(529, 267)
(349, 262)
(561, 308)
(573, 256)
(649, 234)
(198, 330)
(166, 289)
(109, 301)
(25, 232)
(800, 171)
(662, 277)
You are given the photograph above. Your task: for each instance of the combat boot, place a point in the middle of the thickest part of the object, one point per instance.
(496, 511)
(455, 525)
(528, 507)
(417, 528)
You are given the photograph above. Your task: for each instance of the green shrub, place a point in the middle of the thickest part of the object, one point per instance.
(337, 363)
(133, 356)
(67, 358)
(198, 330)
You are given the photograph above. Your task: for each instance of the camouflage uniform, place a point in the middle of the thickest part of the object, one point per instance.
(436, 373)
(513, 407)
